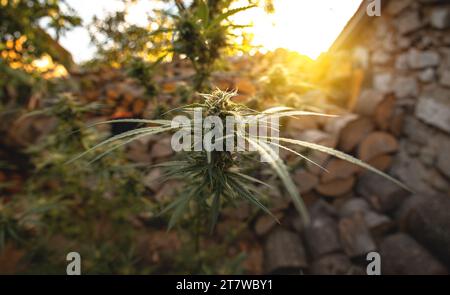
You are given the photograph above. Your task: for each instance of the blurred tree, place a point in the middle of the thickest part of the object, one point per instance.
(26, 46)
(200, 30)
(24, 25)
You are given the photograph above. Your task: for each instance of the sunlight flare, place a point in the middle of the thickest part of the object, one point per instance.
(308, 27)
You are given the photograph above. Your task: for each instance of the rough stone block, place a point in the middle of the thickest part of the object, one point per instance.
(434, 111)
(440, 18)
(408, 22)
(427, 75)
(422, 59)
(405, 87)
(382, 82)
(445, 79)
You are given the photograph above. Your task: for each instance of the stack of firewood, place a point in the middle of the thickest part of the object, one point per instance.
(369, 136)
(413, 240)
(355, 212)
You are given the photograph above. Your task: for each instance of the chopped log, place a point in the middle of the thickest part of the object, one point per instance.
(396, 126)
(284, 253)
(337, 187)
(352, 206)
(381, 162)
(378, 224)
(376, 144)
(265, 223)
(319, 137)
(427, 219)
(334, 125)
(310, 198)
(350, 129)
(382, 194)
(355, 131)
(332, 264)
(320, 158)
(387, 117)
(338, 169)
(296, 125)
(305, 181)
(384, 112)
(323, 208)
(402, 255)
(321, 236)
(278, 200)
(368, 101)
(296, 222)
(355, 236)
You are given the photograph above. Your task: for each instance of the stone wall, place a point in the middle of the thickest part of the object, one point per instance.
(406, 53)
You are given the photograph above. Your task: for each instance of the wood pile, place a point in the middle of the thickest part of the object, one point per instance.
(339, 238)
(369, 137)
(355, 212)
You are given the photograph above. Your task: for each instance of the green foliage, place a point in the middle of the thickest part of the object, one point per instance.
(215, 178)
(210, 260)
(201, 32)
(144, 72)
(119, 42)
(24, 18)
(87, 207)
(24, 37)
(16, 84)
(98, 206)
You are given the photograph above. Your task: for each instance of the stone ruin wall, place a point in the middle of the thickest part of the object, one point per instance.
(405, 52)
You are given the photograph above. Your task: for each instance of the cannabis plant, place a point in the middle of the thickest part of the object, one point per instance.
(214, 178)
(80, 206)
(200, 32)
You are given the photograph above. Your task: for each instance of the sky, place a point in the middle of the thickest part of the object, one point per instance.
(306, 26)
(77, 41)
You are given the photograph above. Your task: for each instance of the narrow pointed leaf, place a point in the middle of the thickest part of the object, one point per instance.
(343, 156)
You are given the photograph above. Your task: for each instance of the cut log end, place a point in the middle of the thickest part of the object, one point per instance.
(337, 187)
(284, 253)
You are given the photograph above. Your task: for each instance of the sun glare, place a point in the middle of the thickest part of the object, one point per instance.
(308, 27)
